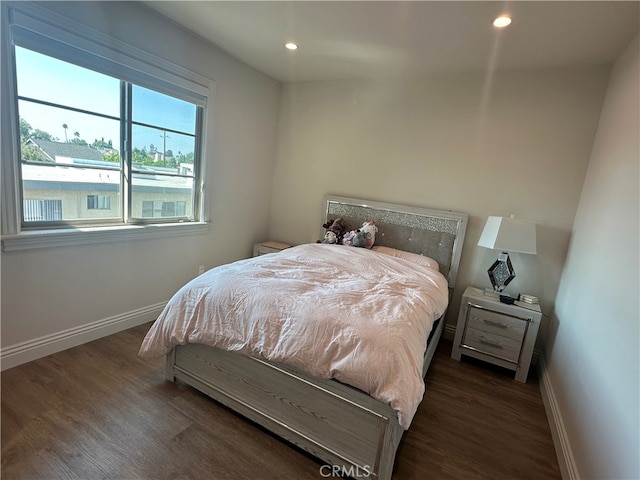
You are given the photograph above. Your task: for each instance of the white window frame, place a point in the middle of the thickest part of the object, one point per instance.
(69, 40)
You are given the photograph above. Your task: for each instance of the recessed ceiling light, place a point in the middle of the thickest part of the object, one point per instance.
(291, 46)
(502, 21)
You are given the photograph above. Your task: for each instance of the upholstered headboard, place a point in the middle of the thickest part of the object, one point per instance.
(438, 234)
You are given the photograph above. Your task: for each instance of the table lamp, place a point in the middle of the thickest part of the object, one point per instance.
(507, 235)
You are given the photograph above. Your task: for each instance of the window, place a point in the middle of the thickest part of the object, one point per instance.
(159, 208)
(98, 202)
(113, 136)
(71, 141)
(42, 210)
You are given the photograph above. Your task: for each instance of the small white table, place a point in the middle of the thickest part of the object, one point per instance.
(495, 332)
(269, 247)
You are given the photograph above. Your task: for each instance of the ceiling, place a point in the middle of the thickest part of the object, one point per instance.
(359, 39)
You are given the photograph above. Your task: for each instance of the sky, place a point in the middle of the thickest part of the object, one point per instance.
(69, 85)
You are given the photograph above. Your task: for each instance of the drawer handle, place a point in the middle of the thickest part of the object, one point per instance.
(495, 324)
(490, 344)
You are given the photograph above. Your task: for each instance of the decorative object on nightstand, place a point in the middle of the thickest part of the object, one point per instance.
(507, 235)
(497, 333)
(269, 247)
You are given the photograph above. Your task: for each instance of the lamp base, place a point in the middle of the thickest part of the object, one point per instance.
(508, 299)
(490, 292)
(501, 272)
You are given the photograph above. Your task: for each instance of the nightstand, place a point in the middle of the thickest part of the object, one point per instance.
(268, 247)
(495, 332)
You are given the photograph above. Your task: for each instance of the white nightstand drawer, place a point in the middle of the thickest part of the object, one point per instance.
(495, 323)
(501, 347)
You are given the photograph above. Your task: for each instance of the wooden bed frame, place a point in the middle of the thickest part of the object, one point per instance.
(337, 423)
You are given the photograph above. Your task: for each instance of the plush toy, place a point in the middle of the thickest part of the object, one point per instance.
(338, 227)
(364, 237)
(330, 237)
(348, 237)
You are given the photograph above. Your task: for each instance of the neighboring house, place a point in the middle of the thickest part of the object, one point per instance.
(65, 152)
(81, 185)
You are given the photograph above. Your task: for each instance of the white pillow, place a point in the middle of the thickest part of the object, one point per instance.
(412, 257)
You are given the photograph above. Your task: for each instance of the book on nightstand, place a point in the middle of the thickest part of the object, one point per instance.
(530, 299)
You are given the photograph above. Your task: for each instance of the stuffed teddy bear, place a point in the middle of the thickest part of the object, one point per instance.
(338, 227)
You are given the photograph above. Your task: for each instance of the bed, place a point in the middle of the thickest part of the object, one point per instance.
(326, 404)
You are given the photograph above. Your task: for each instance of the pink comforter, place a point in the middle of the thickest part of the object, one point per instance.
(331, 311)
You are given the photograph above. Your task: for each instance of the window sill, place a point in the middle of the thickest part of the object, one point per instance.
(36, 239)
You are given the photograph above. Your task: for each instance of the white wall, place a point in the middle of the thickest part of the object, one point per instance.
(594, 338)
(50, 290)
(516, 143)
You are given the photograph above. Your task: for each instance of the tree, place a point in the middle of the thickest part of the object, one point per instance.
(101, 144)
(25, 130)
(77, 140)
(185, 158)
(42, 135)
(111, 156)
(31, 153)
(139, 157)
(65, 126)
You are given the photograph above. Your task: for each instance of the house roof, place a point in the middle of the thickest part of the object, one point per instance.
(68, 150)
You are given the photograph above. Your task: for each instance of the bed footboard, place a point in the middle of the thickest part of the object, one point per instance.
(334, 422)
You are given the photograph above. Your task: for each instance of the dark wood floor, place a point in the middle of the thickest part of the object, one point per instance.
(98, 411)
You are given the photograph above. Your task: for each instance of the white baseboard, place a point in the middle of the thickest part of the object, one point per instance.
(24, 352)
(568, 467)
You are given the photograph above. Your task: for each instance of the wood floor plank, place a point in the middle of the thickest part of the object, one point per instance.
(98, 411)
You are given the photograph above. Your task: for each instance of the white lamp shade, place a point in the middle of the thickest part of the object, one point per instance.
(509, 235)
